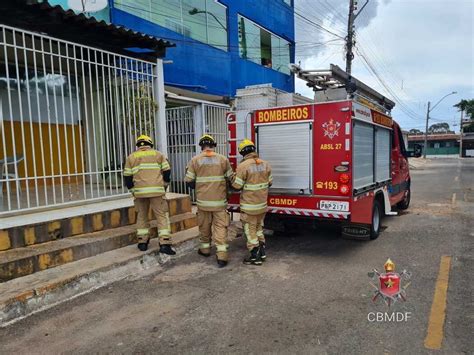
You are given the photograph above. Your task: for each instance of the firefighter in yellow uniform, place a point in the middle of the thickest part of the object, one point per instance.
(209, 173)
(253, 177)
(146, 172)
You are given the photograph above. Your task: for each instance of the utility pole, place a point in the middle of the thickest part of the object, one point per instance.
(426, 130)
(350, 40)
(461, 131)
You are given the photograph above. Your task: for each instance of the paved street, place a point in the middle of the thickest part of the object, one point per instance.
(312, 295)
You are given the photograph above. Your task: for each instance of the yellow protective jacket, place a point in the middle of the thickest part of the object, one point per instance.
(253, 177)
(211, 172)
(146, 166)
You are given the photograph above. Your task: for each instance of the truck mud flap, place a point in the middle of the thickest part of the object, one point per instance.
(356, 232)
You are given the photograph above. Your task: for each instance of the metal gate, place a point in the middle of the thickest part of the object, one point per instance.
(181, 129)
(69, 115)
(185, 125)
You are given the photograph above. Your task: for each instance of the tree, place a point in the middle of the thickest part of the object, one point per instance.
(467, 106)
(415, 131)
(439, 128)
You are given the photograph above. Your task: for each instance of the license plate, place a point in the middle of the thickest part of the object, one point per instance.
(340, 206)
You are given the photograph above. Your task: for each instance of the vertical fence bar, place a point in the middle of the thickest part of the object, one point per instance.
(131, 126)
(12, 125)
(93, 121)
(99, 119)
(66, 138)
(4, 140)
(71, 113)
(58, 142)
(40, 122)
(105, 118)
(124, 149)
(50, 138)
(30, 115)
(112, 118)
(22, 126)
(82, 165)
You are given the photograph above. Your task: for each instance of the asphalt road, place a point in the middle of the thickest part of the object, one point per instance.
(312, 295)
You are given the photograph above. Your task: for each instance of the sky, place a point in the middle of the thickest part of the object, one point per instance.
(420, 49)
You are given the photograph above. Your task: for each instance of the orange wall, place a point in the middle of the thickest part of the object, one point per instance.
(51, 152)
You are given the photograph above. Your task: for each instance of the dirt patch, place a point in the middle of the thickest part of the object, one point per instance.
(186, 271)
(437, 209)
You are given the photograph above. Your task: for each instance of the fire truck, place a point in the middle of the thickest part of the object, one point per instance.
(341, 158)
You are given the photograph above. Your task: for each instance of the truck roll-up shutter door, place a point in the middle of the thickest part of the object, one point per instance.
(382, 154)
(363, 136)
(288, 149)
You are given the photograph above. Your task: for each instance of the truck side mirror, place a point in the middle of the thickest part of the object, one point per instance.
(417, 151)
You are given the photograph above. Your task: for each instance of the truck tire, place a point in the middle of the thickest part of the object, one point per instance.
(405, 203)
(376, 220)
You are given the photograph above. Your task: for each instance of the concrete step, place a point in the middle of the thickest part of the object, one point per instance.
(20, 262)
(23, 296)
(41, 232)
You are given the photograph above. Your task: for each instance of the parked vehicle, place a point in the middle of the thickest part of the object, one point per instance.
(339, 159)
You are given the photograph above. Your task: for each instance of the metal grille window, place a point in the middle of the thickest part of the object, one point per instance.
(69, 115)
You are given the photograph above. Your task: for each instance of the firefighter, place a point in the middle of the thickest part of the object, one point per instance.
(253, 177)
(146, 173)
(210, 173)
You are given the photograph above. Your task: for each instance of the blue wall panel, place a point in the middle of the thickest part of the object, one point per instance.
(203, 68)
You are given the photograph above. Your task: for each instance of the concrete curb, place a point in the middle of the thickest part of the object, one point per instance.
(96, 272)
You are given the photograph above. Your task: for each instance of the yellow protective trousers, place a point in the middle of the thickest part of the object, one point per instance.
(213, 225)
(159, 206)
(253, 229)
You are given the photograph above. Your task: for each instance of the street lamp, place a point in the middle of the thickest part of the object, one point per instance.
(195, 11)
(428, 118)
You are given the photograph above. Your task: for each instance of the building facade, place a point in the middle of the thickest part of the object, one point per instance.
(438, 144)
(222, 45)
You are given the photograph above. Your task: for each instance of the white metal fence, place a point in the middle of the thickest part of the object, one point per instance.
(69, 115)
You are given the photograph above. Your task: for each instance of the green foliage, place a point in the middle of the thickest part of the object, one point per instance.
(467, 106)
(415, 131)
(141, 116)
(439, 128)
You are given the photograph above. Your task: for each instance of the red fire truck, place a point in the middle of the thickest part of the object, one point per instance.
(340, 159)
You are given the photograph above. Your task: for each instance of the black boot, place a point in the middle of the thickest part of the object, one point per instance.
(204, 254)
(166, 249)
(221, 263)
(261, 251)
(143, 246)
(253, 258)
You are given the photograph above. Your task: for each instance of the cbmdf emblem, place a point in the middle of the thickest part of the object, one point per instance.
(331, 128)
(390, 285)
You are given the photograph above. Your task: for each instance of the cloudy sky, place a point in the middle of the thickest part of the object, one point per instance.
(420, 49)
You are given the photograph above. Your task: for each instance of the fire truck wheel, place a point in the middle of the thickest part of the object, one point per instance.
(403, 204)
(376, 220)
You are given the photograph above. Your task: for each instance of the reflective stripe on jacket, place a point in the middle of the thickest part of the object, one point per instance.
(146, 166)
(253, 177)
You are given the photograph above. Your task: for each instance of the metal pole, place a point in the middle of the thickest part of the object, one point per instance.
(461, 132)
(426, 130)
(160, 115)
